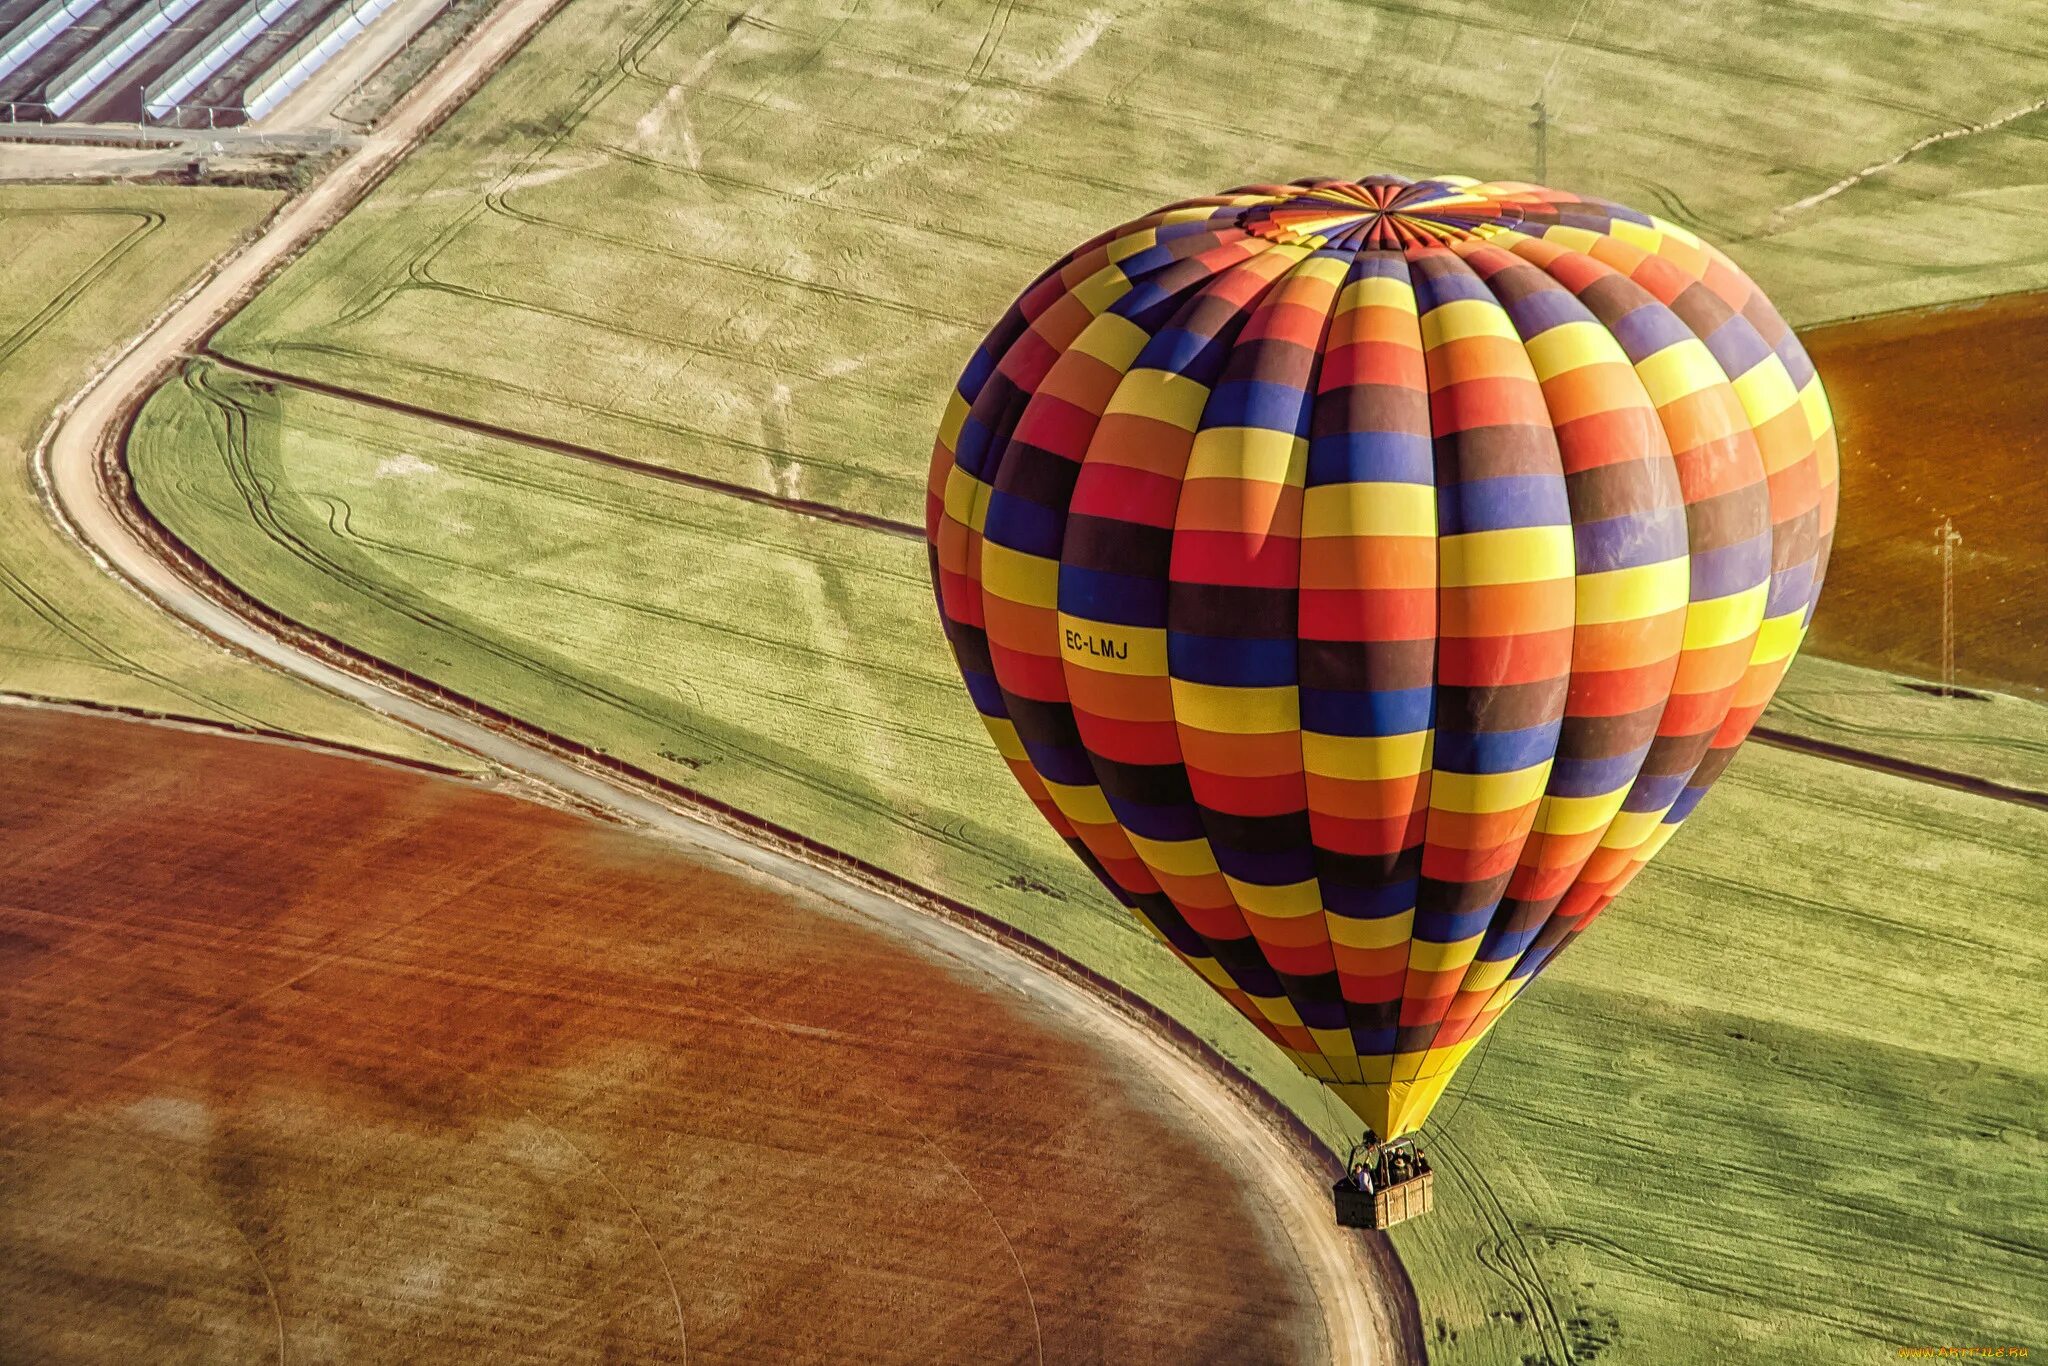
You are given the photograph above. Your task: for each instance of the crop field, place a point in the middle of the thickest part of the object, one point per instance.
(85, 266)
(759, 243)
(1945, 414)
(543, 1090)
(1686, 1142)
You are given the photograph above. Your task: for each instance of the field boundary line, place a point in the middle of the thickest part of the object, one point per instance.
(804, 507)
(86, 706)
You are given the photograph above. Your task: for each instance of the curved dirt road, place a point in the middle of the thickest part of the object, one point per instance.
(1358, 1312)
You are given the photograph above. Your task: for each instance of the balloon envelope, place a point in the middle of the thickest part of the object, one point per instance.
(1367, 577)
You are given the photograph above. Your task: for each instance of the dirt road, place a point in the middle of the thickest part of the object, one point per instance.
(1358, 1313)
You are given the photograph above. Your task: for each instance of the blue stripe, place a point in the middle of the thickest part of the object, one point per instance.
(979, 368)
(1731, 568)
(1227, 661)
(985, 692)
(1790, 588)
(1688, 801)
(1371, 457)
(1512, 500)
(971, 451)
(1646, 330)
(1321, 1014)
(1495, 751)
(1596, 777)
(1655, 791)
(1508, 946)
(1373, 1043)
(1099, 595)
(1068, 765)
(1630, 541)
(1021, 524)
(1395, 711)
(1446, 927)
(1181, 821)
(1737, 346)
(1369, 903)
(1181, 352)
(1258, 403)
(1535, 314)
(1267, 868)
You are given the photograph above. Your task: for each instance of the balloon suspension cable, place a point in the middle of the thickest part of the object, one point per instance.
(1471, 1082)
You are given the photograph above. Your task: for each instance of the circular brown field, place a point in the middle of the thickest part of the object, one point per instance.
(312, 1058)
(1943, 414)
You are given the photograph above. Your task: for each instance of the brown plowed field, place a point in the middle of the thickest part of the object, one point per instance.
(310, 1057)
(1942, 413)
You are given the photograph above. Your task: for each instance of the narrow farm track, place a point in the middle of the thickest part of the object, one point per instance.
(1366, 1305)
(804, 507)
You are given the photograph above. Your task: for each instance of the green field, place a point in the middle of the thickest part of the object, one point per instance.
(1781, 1106)
(93, 264)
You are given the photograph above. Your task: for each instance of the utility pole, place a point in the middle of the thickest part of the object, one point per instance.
(1542, 127)
(1947, 538)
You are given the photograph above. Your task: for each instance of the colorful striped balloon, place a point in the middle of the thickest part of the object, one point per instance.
(1367, 577)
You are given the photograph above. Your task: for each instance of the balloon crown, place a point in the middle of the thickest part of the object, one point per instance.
(1386, 212)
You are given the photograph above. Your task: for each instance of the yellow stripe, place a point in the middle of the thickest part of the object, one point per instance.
(1175, 858)
(1426, 956)
(1129, 246)
(1384, 932)
(1288, 902)
(1481, 793)
(1631, 828)
(1111, 648)
(1572, 239)
(1280, 1011)
(1340, 1051)
(1659, 837)
(1682, 368)
(952, 421)
(1369, 510)
(1257, 453)
(1631, 594)
(1363, 757)
(1112, 339)
(1017, 577)
(1635, 234)
(1528, 554)
(966, 498)
(1766, 390)
(1236, 711)
(1162, 396)
(1084, 805)
(1377, 291)
(1578, 815)
(1487, 976)
(1103, 288)
(1461, 318)
(1718, 621)
(1778, 638)
(1573, 346)
(1814, 399)
(1328, 269)
(1003, 731)
(1673, 230)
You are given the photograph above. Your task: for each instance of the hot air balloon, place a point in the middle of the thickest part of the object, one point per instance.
(1367, 577)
